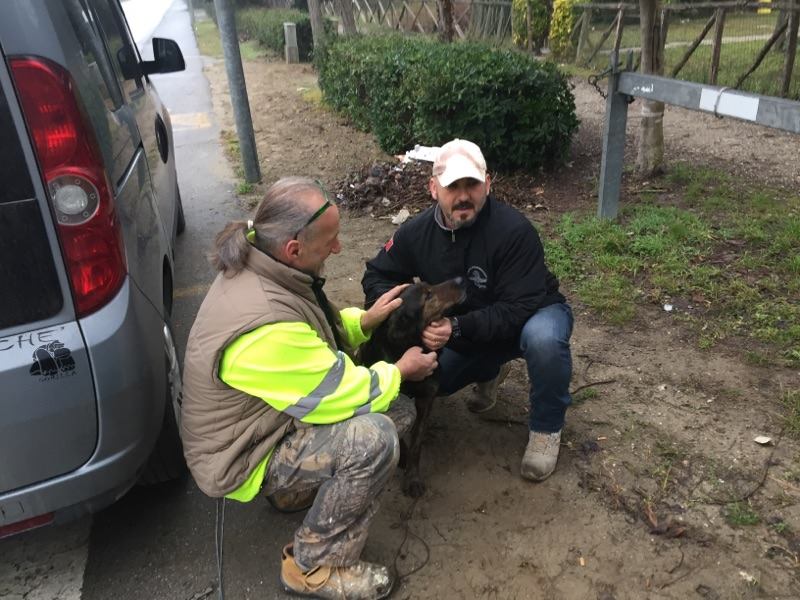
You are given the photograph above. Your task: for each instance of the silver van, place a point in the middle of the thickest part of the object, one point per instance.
(89, 211)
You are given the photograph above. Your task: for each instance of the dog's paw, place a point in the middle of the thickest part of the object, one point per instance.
(413, 487)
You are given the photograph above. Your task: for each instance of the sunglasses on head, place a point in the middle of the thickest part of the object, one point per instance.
(318, 213)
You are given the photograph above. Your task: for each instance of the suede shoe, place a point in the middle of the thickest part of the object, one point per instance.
(486, 393)
(541, 455)
(361, 581)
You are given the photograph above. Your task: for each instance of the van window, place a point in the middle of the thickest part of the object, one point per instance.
(121, 48)
(30, 290)
(15, 183)
(94, 54)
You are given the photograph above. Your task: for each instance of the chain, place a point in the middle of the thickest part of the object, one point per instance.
(593, 79)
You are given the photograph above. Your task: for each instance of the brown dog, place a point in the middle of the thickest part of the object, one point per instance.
(422, 304)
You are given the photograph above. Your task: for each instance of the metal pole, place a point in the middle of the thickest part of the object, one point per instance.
(190, 6)
(241, 107)
(613, 145)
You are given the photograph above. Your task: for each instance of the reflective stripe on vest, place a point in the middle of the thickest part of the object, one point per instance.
(329, 384)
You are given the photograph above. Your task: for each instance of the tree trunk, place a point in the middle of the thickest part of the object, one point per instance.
(317, 26)
(546, 31)
(650, 156)
(446, 30)
(345, 10)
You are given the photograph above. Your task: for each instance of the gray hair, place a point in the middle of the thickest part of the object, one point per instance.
(281, 214)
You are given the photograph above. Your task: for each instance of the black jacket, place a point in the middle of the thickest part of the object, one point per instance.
(500, 255)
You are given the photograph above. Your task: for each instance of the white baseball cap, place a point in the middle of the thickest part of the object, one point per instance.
(459, 159)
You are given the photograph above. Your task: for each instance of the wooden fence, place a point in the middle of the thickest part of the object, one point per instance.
(474, 19)
(784, 35)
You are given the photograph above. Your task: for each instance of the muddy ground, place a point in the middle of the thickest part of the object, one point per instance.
(658, 474)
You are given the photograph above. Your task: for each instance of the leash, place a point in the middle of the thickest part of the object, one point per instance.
(219, 538)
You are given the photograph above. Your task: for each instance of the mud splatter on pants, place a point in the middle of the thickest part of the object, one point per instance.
(350, 462)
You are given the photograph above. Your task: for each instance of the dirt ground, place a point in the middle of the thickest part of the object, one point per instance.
(658, 473)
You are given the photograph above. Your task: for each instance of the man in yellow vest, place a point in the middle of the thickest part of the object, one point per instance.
(273, 402)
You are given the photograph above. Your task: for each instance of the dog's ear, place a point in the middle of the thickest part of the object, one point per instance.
(408, 316)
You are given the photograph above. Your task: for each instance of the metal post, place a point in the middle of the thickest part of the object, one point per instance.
(290, 43)
(190, 6)
(613, 144)
(238, 89)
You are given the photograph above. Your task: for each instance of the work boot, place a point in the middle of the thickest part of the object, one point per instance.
(361, 581)
(541, 455)
(486, 392)
(291, 501)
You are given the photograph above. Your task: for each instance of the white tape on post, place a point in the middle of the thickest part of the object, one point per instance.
(729, 103)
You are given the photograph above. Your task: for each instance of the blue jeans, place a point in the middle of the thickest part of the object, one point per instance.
(544, 344)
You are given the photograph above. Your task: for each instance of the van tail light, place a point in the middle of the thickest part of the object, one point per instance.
(74, 174)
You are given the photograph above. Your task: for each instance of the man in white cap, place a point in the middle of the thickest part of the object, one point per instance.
(513, 307)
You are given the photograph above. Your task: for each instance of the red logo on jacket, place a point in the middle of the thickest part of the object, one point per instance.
(388, 245)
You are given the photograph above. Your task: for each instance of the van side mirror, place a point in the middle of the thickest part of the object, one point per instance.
(167, 58)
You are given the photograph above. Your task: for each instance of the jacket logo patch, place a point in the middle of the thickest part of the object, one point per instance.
(388, 245)
(478, 277)
(52, 361)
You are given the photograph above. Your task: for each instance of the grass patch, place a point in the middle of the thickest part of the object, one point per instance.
(740, 514)
(313, 95)
(210, 44)
(791, 402)
(230, 147)
(723, 253)
(668, 454)
(780, 527)
(584, 395)
(243, 188)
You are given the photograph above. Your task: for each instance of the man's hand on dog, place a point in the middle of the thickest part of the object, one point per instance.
(416, 364)
(437, 334)
(383, 307)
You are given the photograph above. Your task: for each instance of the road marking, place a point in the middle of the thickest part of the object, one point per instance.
(194, 290)
(182, 121)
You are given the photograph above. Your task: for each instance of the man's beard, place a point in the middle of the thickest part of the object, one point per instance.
(463, 222)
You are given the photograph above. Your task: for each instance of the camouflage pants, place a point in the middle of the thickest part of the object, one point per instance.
(349, 463)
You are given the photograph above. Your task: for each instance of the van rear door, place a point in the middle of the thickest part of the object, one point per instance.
(48, 414)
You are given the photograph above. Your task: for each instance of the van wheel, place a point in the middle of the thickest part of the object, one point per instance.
(167, 462)
(180, 226)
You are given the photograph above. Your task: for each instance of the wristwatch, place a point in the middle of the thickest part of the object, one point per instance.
(455, 327)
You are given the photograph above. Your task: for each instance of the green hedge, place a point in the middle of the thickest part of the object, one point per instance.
(417, 91)
(265, 25)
